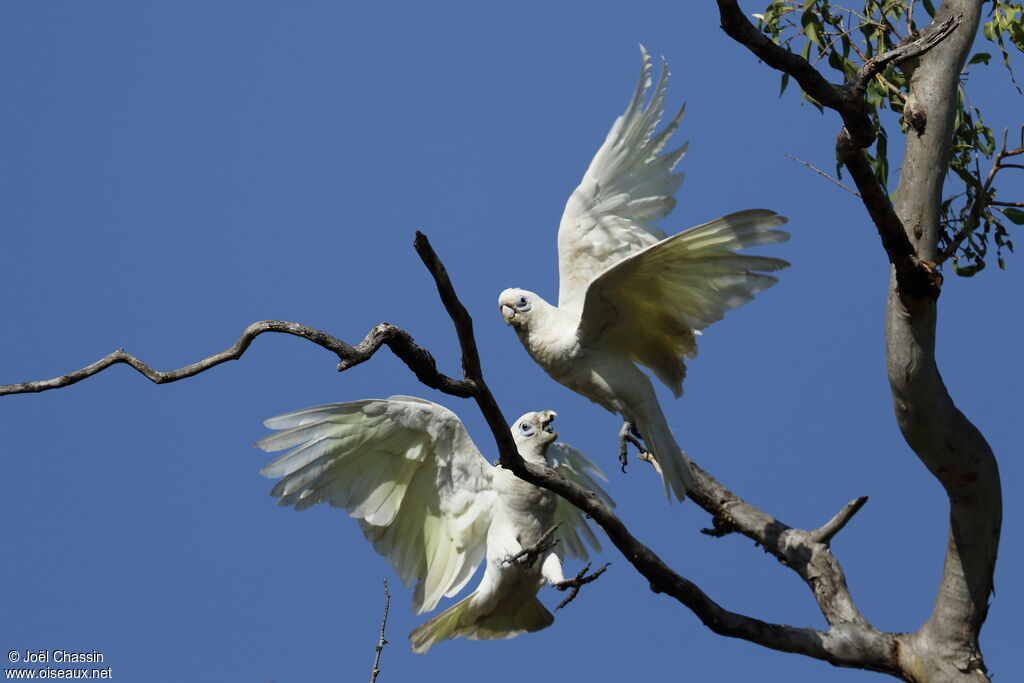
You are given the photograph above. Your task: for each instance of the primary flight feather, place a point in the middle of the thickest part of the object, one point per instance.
(629, 294)
(435, 508)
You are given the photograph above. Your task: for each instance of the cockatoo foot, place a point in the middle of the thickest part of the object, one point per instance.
(628, 435)
(648, 457)
(575, 583)
(530, 554)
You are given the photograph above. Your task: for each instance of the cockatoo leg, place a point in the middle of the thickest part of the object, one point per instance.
(531, 553)
(628, 435)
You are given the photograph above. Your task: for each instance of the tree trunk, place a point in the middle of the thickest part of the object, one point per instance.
(946, 647)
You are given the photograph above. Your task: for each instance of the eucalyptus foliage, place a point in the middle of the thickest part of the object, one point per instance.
(846, 37)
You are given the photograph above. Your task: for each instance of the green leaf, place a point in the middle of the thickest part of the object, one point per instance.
(968, 271)
(1015, 215)
(812, 27)
(967, 177)
(1016, 32)
(929, 7)
(785, 82)
(980, 58)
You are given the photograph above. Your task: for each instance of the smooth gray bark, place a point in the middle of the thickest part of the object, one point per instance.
(946, 647)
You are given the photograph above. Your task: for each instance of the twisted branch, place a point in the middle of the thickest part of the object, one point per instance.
(850, 641)
(400, 342)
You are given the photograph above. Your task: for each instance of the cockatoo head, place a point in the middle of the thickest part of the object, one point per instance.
(519, 307)
(533, 433)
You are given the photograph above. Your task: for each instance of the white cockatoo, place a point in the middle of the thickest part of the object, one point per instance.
(435, 508)
(628, 294)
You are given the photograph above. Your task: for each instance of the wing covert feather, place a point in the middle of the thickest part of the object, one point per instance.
(651, 305)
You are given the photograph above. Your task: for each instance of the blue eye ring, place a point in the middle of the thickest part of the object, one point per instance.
(527, 429)
(523, 304)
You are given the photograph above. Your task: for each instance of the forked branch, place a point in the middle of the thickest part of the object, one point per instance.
(917, 280)
(850, 641)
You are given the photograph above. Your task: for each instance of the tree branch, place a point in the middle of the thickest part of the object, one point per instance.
(946, 647)
(827, 531)
(849, 642)
(943, 438)
(805, 552)
(917, 280)
(381, 642)
(401, 344)
(911, 47)
(824, 175)
(982, 198)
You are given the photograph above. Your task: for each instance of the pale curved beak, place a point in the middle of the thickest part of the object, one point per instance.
(546, 418)
(508, 313)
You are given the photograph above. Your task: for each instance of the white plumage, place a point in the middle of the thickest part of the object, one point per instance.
(628, 294)
(428, 501)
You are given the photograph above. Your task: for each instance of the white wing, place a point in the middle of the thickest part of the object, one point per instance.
(649, 305)
(576, 467)
(407, 469)
(627, 187)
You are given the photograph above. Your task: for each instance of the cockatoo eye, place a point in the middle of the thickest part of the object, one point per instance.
(522, 304)
(527, 429)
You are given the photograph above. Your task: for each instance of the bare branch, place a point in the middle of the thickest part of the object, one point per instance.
(916, 280)
(401, 344)
(831, 95)
(824, 175)
(805, 552)
(575, 583)
(850, 641)
(381, 642)
(916, 46)
(827, 531)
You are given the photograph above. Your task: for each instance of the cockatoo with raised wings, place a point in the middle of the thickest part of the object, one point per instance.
(435, 508)
(628, 294)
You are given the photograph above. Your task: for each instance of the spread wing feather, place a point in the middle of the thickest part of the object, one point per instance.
(406, 469)
(626, 187)
(650, 305)
(577, 467)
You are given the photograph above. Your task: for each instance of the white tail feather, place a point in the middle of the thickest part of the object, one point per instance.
(530, 616)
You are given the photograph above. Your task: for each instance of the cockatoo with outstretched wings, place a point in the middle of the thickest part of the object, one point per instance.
(628, 294)
(435, 508)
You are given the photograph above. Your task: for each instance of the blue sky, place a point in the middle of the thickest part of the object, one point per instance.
(174, 172)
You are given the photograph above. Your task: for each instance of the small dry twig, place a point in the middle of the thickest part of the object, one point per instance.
(382, 641)
(824, 175)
